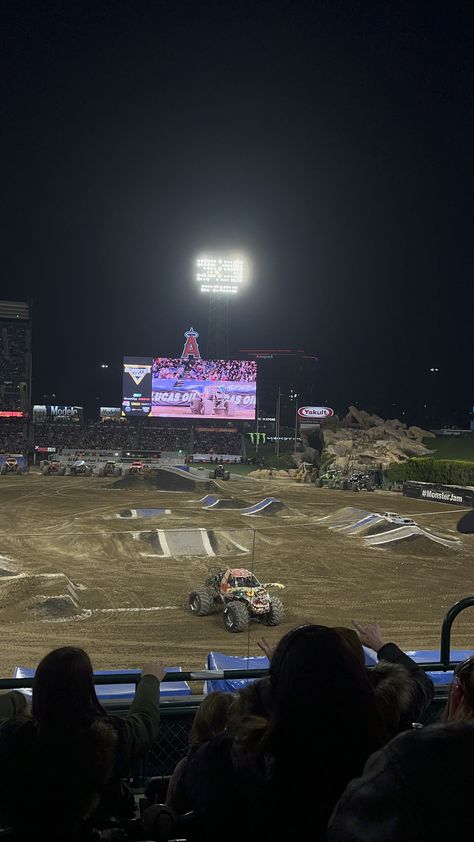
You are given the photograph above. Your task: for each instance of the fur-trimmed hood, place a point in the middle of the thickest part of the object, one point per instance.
(394, 692)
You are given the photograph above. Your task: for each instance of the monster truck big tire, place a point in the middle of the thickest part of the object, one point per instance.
(101, 472)
(19, 469)
(208, 408)
(355, 486)
(201, 602)
(44, 470)
(88, 472)
(226, 475)
(117, 472)
(276, 614)
(236, 617)
(213, 474)
(318, 483)
(370, 487)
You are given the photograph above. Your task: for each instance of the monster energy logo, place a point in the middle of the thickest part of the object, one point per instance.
(258, 438)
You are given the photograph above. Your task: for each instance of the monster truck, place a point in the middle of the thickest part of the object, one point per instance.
(242, 597)
(135, 467)
(196, 405)
(399, 520)
(332, 478)
(53, 466)
(219, 472)
(360, 482)
(79, 468)
(11, 466)
(215, 401)
(109, 469)
(305, 472)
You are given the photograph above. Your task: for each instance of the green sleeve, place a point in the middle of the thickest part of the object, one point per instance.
(139, 729)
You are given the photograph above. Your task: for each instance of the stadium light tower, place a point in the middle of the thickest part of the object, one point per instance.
(219, 276)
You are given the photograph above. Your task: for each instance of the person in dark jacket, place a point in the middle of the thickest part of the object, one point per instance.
(13, 703)
(51, 784)
(403, 689)
(416, 789)
(290, 763)
(65, 702)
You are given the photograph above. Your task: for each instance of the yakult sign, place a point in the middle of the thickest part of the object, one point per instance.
(315, 412)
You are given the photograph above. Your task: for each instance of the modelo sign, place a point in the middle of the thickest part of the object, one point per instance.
(317, 412)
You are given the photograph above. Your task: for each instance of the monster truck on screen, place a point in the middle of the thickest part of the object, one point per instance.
(214, 400)
(242, 597)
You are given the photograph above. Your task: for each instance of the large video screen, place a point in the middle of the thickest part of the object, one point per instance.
(175, 388)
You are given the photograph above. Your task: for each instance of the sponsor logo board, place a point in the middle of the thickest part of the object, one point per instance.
(316, 412)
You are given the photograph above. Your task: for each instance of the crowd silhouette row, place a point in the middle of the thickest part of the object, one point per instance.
(320, 749)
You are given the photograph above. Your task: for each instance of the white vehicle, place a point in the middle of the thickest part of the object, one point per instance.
(79, 468)
(393, 517)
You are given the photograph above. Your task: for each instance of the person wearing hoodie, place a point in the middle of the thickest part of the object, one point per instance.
(403, 689)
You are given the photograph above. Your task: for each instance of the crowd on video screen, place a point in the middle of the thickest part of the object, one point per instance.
(178, 369)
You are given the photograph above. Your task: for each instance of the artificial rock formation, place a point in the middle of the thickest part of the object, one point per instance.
(362, 441)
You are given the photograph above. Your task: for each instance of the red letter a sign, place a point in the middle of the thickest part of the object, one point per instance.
(191, 348)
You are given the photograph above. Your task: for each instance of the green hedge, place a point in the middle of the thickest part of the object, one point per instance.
(442, 471)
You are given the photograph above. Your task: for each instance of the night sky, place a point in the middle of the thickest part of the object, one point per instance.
(332, 141)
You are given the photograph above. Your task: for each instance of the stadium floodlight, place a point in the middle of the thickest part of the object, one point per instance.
(220, 274)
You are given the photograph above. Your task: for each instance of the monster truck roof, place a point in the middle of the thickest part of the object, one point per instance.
(240, 572)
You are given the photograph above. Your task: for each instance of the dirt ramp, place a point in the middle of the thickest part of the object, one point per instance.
(195, 543)
(47, 596)
(165, 479)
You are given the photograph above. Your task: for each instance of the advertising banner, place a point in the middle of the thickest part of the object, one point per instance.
(11, 413)
(43, 413)
(439, 493)
(110, 413)
(314, 413)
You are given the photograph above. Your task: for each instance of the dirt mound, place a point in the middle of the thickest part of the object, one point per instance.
(165, 480)
(270, 473)
(55, 607)
(45, 594)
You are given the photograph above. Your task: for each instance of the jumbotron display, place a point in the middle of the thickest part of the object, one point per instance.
(169, 388)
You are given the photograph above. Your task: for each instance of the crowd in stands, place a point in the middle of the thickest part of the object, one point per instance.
(320, 749)
(11, 437)
(221, 370)
(154, 437)
(13, 349)
(57, 434)
(107, 435)
(217, 442)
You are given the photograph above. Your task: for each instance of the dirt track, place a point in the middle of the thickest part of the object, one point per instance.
(106, 574)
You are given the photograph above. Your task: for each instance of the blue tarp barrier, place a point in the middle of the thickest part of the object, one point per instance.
(428, 656)
(118, 692)
(219, 661)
